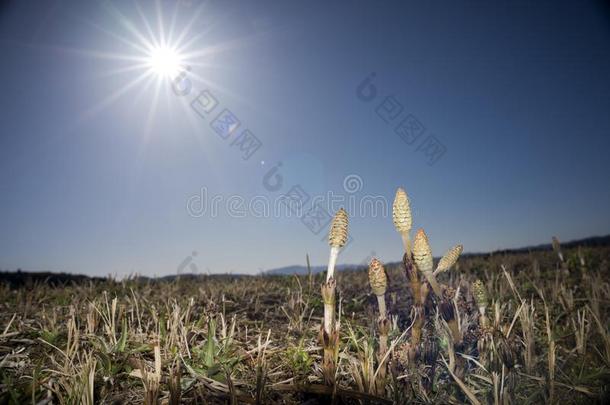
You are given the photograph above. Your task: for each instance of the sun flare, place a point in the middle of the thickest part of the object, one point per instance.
(165, 61)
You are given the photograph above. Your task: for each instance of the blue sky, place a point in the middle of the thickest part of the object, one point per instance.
(98, 157)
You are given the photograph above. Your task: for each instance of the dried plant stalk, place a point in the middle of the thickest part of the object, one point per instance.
(447, 312)
(330, 345)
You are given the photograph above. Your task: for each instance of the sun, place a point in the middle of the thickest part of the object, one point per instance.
(152, 54)
(164, 61)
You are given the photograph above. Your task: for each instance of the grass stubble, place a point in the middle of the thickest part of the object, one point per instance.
(528, 327)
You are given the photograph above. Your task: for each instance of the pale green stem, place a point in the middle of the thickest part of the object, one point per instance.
(329, 314)
(381, 303)
(406, 241)
(332, 261)
(433, 283)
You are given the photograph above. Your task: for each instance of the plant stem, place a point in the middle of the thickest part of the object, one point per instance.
(406, 241)
(382, 308)
(332, 261)
(383, 325)
(328, 297)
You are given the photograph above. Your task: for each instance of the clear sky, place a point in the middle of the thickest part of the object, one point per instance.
(103, 161)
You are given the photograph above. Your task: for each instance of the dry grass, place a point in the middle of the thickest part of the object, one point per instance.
(255, 339)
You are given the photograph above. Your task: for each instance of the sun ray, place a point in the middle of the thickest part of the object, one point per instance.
(122, 70)
(152, 109)
(127, 24)
(230, 45)
(172, 26)
(145, 89)
(103, 104)
(160, 25)
(217, 87)
(101, 54)
(188, 26)
(114, 35)
(190, 42)
(81, 51)
(153, 38)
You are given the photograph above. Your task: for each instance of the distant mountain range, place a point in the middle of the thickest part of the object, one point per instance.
(592, 241)
(19, 278)
(300, 270)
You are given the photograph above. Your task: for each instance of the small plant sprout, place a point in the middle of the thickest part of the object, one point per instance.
(449, 259)
(329, 333)
(557, 248)
(581, 257)
(422, 256)
(337, 238)
(480, 296)
(401, 215)
(379, 284)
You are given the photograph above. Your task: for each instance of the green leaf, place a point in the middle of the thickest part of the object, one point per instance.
(123, 341)
(210, 345)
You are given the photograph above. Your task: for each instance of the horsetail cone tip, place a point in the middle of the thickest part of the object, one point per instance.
(480, 295)
(556, 244)
(401, 212)
(450, 258)
(337, 236)
(377, 277)
(557, 248)
(422, 254)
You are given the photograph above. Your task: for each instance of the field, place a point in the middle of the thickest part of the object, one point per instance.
(236, 339)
